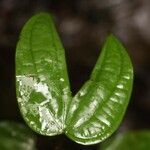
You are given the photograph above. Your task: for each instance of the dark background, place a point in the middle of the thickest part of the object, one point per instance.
(83, 26)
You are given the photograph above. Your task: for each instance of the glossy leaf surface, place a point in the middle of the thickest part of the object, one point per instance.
(139, 140)
(98, 108)
(43, 90)
(42, 82)
(15, 136)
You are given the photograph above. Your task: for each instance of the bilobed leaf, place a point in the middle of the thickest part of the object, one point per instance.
(43, 90)
(98, 108)
(15, 136)
(131, 140)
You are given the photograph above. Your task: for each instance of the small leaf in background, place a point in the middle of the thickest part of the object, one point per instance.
(15, 136)
(133, 140)
(98, 108)
(42, 82)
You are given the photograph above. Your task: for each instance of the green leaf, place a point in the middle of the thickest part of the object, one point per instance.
(43, 90)
(133, 140)
(98, 108)
(15, 136)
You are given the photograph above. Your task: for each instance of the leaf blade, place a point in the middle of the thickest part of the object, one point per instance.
(41, 74)
(138, 140)
(94, 110)
(15, 136)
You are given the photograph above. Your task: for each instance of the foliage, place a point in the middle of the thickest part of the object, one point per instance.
(131, 140)
(15, 136)
(43, 89)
